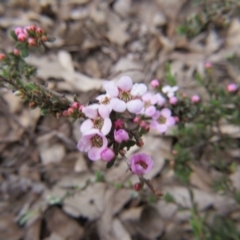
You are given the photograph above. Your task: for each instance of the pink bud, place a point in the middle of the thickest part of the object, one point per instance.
(232, 87)
(208, 65)
(147, 128)
(65, 113)
(32, 28)
(195, 99)
(2, 56)
(70, 111)
(154, 83)
(16, 52)
(118, 124)
(107, 154)
(138, 187)
(121, 135)
(75, 105)
(44, 38)
(31, 41)
(22, 37)
(140, 143)
(39, 31)
(136, 120)
(176, 118)
(18, 30)
(143, 124)
(173, 100)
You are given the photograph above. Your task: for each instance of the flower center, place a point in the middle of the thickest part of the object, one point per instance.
(162, 120)
(97, 141)
(98, 123)
(105, 101)
(125, 96)
(142, 164)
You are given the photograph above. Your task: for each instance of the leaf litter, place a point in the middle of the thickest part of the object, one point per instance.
(99, 40)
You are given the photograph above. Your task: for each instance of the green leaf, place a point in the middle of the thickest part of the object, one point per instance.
(13, 35)
(111, 163)
(24, 52)
(21, 45)
(169, 198)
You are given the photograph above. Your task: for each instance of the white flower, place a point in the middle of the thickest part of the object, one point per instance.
(169, 91)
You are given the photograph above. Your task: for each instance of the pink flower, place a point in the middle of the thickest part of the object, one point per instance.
(162, 120)
(121, 135)
(75, 105)
(107, 154)
(95, 120)
(195, 99)
(93, 142)
(141, 163)
(125, 95)
(105, 107)
(173, 100)
(154, 83)
(232, 87)
(2, 56)
(149, 101)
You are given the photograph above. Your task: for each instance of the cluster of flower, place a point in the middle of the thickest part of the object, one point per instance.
(32, 35)
(119, 120)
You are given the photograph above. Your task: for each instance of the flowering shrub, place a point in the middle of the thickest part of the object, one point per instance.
(119, 118)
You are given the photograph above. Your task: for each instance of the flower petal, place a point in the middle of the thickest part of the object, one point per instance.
(84, 144)
(150, 111)
(86, 126)
(135, 106)
(91, 111)
(170, 121)
(111, 88)
(166, 89)
(162, 128)
(138, 89)
(147, 97)
(166, 112)
(118, 105)
(125, 83)
(104, 110)
(95, 153)
(107, 125)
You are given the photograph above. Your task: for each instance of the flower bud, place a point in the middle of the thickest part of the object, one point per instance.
(16, 51)
(2, 56)
(18, 30)
(143, 124)
(81, 108)
(195, 99)
(39, 31)
(70, 111)
(136, 120)
(232, 87)
(44, 38)
(208, 65)
(138, 187)
(121, 135)
(118, 124)
(154, 83)
(140, 143)
(75, 105)
(31, 42)
(107, 154)
(22, 37)
(65, 113)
